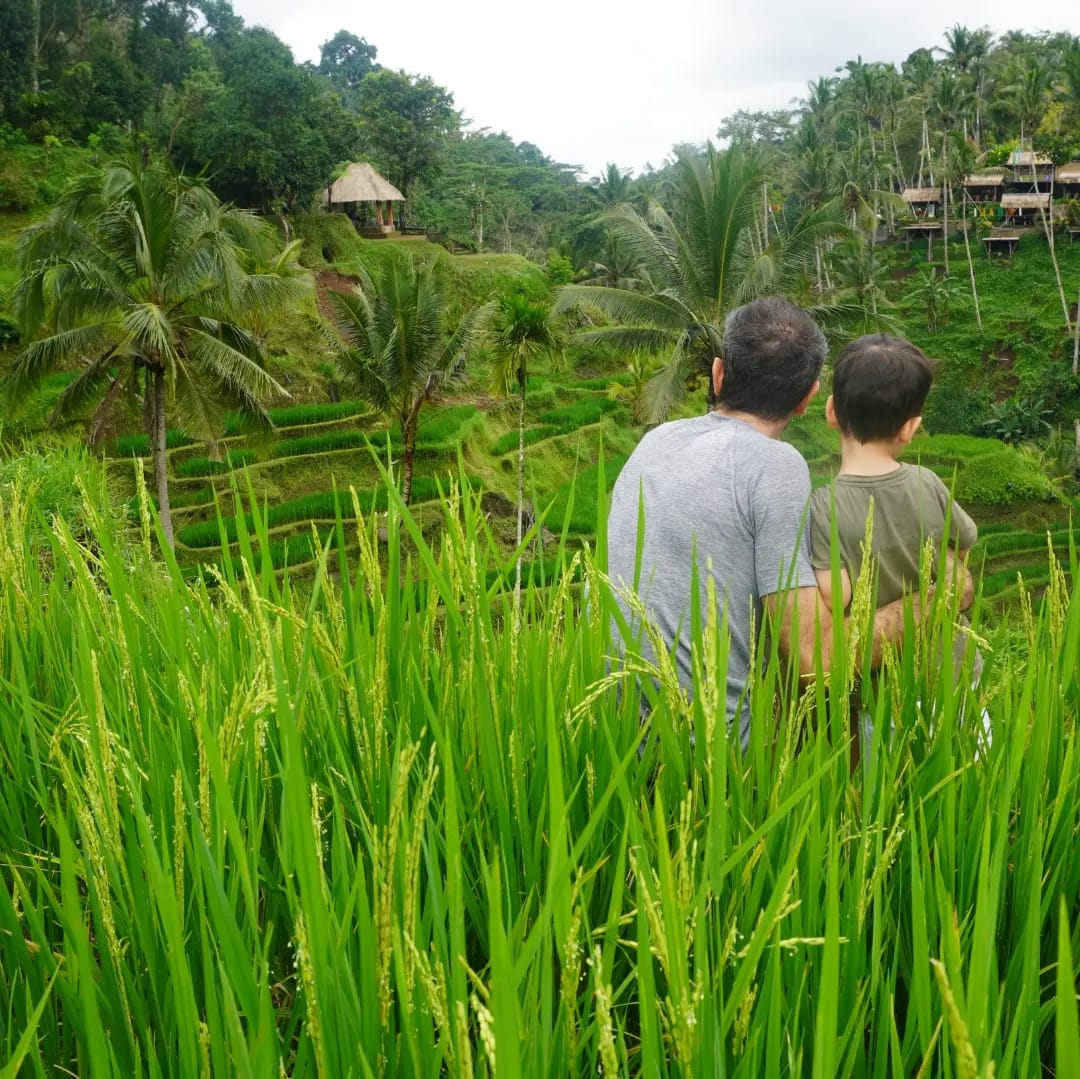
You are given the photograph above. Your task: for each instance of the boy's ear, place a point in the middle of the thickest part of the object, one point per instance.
(830, 414)
(907, 432)
(804, 404)
(717, 375)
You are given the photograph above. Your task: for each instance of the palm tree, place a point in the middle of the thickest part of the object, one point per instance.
(615, 266)
(393, 347)
(712, 253)
(613, 187)
(518, 330)
(961, 161)
(948, 103)
(1069, 86)
(140, 278)
(1029, 89)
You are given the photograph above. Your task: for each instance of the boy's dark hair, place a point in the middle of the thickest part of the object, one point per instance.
(879, 383)
(773, 353)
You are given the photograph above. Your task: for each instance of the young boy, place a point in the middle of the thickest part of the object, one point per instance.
(879, 386)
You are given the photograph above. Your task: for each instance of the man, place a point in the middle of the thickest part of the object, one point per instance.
(724, 490)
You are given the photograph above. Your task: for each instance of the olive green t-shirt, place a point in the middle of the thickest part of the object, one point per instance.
(910, 505)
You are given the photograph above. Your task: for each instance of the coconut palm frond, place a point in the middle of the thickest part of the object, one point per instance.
(624, 306)
(668, 387)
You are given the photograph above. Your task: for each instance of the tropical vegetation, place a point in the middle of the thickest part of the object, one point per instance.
(143, 282)
(316, 752)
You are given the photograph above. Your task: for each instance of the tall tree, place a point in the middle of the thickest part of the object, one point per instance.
(394, 349)
(702, 259)
(345, 60)
(405, 121)
(948, 104)
(138, 279)
(265, 129)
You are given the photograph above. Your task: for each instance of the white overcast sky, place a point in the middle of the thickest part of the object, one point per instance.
(591, 82)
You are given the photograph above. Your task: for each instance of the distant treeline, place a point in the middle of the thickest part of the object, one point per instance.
(189, 79)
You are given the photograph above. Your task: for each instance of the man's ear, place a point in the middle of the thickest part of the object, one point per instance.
(804, 404)
(717, 376)
(907, 432)
(830, 413)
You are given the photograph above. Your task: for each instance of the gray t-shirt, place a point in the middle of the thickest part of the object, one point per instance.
(741, 498)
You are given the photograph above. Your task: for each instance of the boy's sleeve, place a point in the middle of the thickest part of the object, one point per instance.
(820, 529)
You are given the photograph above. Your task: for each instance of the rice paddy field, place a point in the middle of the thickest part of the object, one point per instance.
(374, 821)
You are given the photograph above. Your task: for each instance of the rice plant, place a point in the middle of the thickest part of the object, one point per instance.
(360, 827)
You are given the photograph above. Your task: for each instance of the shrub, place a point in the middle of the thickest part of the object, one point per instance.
(996, 479)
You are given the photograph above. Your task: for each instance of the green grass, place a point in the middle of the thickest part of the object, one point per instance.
(377, 824)
(509, 441)
(316, 507)
(581, 413)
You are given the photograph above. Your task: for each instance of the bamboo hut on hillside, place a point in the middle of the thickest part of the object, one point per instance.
(359, 188)
(1031, 172)
(985, 186)
(1024, 209)
(924, 201)
(1067, 180)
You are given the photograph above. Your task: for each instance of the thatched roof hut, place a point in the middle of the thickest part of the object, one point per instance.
(994, 178)
(359, 186)
(985, 186)
(1067, 179)
(1025, 159)
(921, 194)
(361, 183)
(1030, 201)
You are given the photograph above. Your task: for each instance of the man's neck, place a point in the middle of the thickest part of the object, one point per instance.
(769, 428)
(867, 458)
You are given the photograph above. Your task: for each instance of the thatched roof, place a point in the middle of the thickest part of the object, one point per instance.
(985, 179)
(1069, 173)
(922, 194)
(1027, 158)
(1026, 202)
(361, 183)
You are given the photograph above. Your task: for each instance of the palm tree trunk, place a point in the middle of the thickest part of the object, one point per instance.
(1048, 228)
(520, 505)
(945, 200)
(407, 458)
(1076, 354)
(899, 164)
(157, 442)
(971, 270)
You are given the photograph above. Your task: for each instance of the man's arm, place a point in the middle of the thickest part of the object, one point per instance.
(825, 587)
(807, 608)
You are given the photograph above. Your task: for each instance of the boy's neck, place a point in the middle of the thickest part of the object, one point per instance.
(868, 458)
